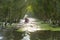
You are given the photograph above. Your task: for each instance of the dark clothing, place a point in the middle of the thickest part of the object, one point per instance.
(26, 20)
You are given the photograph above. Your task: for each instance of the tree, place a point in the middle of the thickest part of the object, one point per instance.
(12, 10)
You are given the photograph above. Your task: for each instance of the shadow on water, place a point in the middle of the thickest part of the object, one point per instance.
(13, 35)
(38, 35)
(45, 35)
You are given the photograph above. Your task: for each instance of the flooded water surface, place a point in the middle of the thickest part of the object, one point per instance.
(38, 35)
(31, 31)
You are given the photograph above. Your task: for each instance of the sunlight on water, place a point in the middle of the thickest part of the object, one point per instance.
(1, 37)
(27, 27)
(26, 37)
(31, 26)
(31, 29)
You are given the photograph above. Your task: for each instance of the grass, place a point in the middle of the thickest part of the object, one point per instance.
(45, 26)
(55, 29)
(49, 27)
(19, 30)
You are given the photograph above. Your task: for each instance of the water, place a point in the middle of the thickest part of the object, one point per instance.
(31, 31)
(26, 36)
(1, 37)
(31, 26)
(38, 35)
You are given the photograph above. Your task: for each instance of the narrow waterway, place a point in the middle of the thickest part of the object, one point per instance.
(30, 31)
(38, 35)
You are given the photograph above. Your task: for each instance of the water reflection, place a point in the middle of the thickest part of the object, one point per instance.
(1, 37)
(45, 35)
(38, 35)
(26, 35)
(13, 35)
(41, 35)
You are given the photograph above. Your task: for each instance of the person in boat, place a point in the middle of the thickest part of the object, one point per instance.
(26, 20)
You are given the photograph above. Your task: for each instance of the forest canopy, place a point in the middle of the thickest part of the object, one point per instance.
(14, 10)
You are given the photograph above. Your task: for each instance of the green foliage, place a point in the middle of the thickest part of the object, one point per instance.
(11, 10)
(47, 9)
